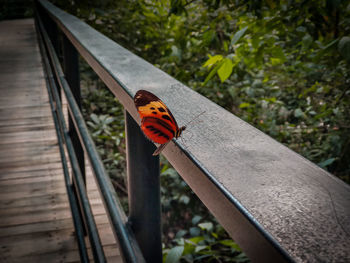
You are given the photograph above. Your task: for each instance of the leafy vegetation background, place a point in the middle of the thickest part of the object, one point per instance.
(16, 9)
(283, 66)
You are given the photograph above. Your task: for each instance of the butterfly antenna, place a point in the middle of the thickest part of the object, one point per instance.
(196, 117)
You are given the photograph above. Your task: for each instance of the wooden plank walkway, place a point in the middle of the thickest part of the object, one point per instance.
(35, 218)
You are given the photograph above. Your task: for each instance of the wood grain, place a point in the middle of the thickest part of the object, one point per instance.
(258, 189)
(35, 217)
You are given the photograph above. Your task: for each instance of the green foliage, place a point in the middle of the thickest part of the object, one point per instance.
(16, 9)
(290, 77)
(204, 243)
(196, 236)
(282, 66)
(105, 119)
(344, 47)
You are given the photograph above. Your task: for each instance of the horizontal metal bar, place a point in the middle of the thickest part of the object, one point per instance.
(260, 245)
(271, 200)
(77, 221)
(127, 242)
(95, 241)
(71, 71)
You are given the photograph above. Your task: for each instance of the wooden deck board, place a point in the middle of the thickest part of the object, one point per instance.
(35, 218)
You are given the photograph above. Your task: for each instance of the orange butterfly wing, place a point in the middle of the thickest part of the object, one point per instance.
(157, 122)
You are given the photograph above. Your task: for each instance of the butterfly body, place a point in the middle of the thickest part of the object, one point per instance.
(157, 122)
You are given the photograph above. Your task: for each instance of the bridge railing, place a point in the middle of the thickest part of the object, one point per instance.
(278, 206)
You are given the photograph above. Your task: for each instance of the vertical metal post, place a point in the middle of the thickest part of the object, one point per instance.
(50, 26)
(51, 29)
(144, 191)
(71, 72)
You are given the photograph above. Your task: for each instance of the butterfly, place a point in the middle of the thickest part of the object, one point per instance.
(157, 121)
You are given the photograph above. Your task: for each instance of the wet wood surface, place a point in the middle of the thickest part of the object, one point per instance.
(35, 218)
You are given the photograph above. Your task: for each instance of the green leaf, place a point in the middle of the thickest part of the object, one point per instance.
(330, 44)
(184, 199)
(109, 120)
(199, 248)
(181, 233)
(323, 114)
(326, 162)
(298, 113)
(176, 52)
(196, 219)
(244, 105)
(195, 231)
(212, 60)
(277, 55)
(196, 240)
(170, 171)
(344, 47)
(307, 41)
(206, 226)
(300, 29)
(230, 243)
(174, 254)
(189, 248)
(212, 72)
(209, 36)
(225, 70)
(215, 235)
(325, 49)
(92, 125)
(275, 61)
(94, 118)
(238, 35)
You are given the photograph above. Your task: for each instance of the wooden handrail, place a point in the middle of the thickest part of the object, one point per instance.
(277, 205)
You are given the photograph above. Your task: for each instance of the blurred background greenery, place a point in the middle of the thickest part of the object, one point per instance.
(16, 9)
(283, 66)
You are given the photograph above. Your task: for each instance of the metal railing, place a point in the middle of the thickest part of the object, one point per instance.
(123, 233)
(277, 206)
